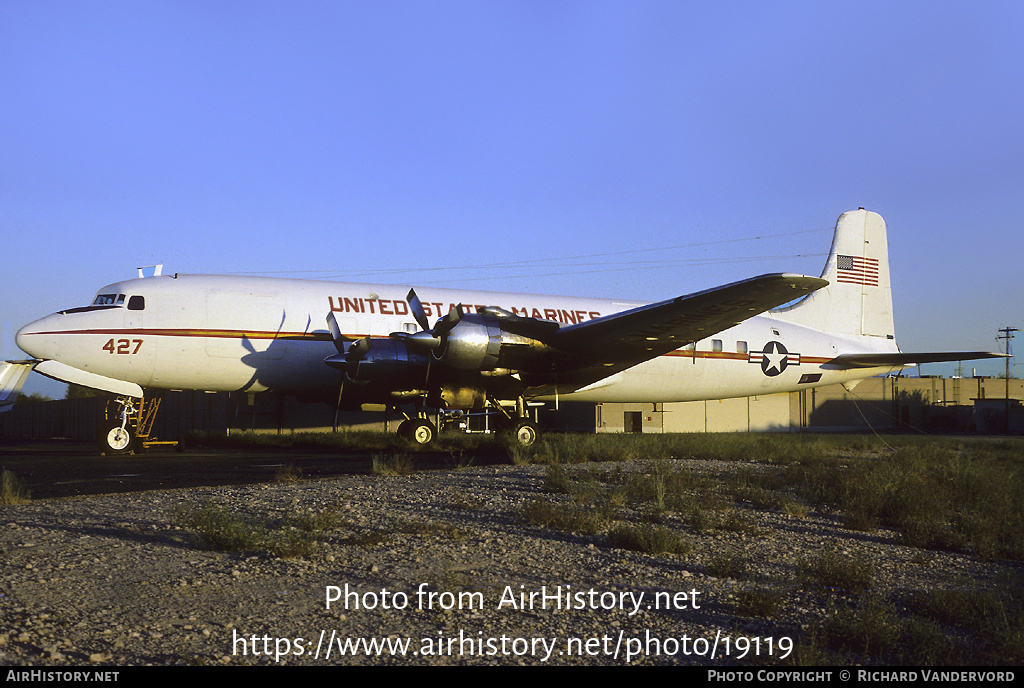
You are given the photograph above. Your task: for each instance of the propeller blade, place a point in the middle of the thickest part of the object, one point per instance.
(336, 336)
(421, 340)
(359, 349)
(417, 310)
(445, 325)
(337, 361)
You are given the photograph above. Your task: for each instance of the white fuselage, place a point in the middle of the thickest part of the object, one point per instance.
(223, 333)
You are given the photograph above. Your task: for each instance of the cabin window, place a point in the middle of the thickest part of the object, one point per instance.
(716, 344)
(137, 303)
(109, 300)
(741, 347)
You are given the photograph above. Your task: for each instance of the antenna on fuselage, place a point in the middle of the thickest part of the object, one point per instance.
(151, 271)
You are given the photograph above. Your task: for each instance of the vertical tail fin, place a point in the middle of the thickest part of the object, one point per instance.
(858, 299)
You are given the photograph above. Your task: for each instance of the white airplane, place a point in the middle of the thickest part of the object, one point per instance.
(353, 344)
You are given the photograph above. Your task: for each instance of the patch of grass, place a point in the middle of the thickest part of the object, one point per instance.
(876, 629)
(558, 480)
(650, 539)
(367, 538)
(217, 528)
(392, 464)
(733, 566)
(466, 503)
(13, 490)
(736, 521)
(975, 494)
(761, 602)
(833, 570)
(547, 514)
(458, 460)
(288, 475)
(794, 507)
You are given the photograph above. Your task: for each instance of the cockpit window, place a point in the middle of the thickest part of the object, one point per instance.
(109, 300)
(137, 303)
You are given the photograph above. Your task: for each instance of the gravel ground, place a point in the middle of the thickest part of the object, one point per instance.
(117, 580)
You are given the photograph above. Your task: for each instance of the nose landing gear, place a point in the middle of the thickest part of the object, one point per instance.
(128, 426)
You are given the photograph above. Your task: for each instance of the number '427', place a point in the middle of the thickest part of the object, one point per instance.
(123, 346)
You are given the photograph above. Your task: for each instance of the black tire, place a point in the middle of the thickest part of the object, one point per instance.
(419, 431)
(524, 432)
(113, 440)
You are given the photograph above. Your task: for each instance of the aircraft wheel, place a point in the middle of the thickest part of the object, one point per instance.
(113, 440)
(420, 431)
(525, 432)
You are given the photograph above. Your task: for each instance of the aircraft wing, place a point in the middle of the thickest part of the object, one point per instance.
(596, 349)
(906, 359)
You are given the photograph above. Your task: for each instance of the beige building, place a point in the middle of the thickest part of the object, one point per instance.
(886, 403)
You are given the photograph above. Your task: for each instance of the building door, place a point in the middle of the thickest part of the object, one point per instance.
(633, 421)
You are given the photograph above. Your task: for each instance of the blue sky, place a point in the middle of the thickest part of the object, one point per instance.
(569, 145)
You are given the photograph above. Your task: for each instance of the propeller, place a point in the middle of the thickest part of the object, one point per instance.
(428, 338)
(349, 353)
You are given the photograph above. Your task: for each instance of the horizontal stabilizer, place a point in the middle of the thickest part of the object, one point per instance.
(12, 377)
(905, 359)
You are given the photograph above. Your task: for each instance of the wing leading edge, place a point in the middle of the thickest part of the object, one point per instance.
(598, 348)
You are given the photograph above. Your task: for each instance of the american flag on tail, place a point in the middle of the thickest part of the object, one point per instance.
(855, 270)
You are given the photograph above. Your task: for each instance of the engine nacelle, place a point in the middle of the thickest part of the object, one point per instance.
(384, 363)
(480, 342)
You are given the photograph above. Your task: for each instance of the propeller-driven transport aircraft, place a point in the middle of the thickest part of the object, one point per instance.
(354, 344)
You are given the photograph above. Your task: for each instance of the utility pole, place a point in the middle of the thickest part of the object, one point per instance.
(1007, 334)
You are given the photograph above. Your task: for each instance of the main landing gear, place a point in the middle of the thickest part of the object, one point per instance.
(419, 429)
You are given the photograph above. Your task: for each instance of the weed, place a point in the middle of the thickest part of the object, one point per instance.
(729, 566)
(546, 514)
(875, 629)
(558, 480)
(832, 570)
(12, 489)
(794, 507)
(459, 460)
(288, 475)
(367, 538)
(392, 464)
(217, 528)
(763, 602)
(466, 503)
(736, 522)
(650, 539)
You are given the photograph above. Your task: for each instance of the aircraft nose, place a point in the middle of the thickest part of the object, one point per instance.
(35, 340)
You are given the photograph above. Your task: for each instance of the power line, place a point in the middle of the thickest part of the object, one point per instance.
(564, 261)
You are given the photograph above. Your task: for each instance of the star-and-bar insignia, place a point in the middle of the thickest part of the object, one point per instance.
(774, 358)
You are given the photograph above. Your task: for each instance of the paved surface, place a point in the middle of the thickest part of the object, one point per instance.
(58, 468)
